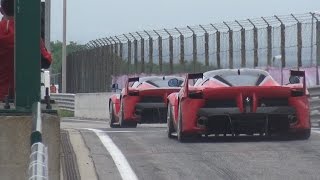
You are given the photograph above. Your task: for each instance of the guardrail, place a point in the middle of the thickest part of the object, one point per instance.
(315, 104)
(38, 166)
(64, 101)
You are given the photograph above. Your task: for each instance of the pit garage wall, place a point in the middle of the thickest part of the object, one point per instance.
(92, 105)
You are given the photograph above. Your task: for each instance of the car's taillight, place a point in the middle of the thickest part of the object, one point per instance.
(297, 92)
(196, 95)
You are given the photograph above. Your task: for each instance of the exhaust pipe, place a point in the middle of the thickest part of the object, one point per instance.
(202, 121)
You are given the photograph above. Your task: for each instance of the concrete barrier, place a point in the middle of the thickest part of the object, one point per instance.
(92, 105)
(15, 145)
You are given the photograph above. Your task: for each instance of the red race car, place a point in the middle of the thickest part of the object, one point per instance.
(244, 101)
(143, 100)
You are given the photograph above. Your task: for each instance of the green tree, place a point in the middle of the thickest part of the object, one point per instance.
(56, 50)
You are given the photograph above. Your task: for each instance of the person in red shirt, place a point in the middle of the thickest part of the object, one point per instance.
(7, 83)
(53, 88)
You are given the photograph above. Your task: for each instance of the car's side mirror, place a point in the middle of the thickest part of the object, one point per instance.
(294, 80)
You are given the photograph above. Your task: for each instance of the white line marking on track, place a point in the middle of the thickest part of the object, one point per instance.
(128, 131)
(119, 159)
(316, 130)
(89, 121)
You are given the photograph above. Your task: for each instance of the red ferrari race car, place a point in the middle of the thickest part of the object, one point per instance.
(235, 102)
(143, 100)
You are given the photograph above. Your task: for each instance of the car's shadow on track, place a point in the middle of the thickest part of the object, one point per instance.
(236, 139)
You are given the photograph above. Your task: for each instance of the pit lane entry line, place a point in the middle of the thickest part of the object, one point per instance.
(119, 159)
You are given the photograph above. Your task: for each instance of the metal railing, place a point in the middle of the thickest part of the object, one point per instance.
(38, 166)
(315, 104)
(64, 101)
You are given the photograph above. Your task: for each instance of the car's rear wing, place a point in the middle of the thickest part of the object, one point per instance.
(186, 83)
(302, 74)
(133, 79)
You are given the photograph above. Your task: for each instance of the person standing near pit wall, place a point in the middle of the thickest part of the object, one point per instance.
(53, 88)
(7, 81)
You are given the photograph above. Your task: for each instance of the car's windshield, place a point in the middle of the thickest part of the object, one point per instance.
(239, 80)
(236, 77)
(164, 82)
(160, 82)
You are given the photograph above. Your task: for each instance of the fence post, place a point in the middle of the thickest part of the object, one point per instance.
(299, 42)
(110, 53)
(218, 37)
(283, 46)
(269, 41)
(230, 46)
(170, 51)
(150, 52)
(120, 55)
(243, 45)
(160, 50)
(318, 49)
(181, 49)
(194, 51)
(108, 67)
(141, 52)
(115, 57)
(206, 46)
(135, 46)
(129, 54)
(98, 67)
(104, 66)
(255, 44)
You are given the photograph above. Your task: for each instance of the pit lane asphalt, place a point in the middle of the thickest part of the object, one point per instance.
(152, 155)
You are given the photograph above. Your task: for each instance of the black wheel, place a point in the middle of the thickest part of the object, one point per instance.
(180, 134)
(170, 128)
(111, 115)
(122, 123)
(132, 124)
(303, 135)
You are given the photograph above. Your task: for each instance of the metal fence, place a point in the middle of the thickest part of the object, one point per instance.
(282, 41)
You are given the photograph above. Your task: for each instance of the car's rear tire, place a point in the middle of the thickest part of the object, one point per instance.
(303, 135)
(131, 124)
(180, 135)
(122, 123)
(112, 115)
(170, 128)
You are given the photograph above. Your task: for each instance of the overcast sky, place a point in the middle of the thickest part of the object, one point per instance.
(92, 19)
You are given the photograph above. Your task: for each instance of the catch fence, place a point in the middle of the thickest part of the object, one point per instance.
(289, 41)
